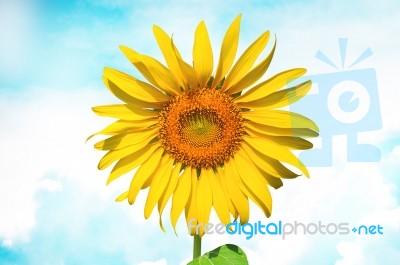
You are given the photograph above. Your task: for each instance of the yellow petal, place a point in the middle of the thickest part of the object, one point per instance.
(275, 151)
(153, 71)
(296, 143)
(281, 119)
(259, 161)
(132, 161)
(280, 98)
(284, 172)
(228, 50)
(255, 186)
(122, 126)
(134, 87)
(123, 140)
(246, 61)
(219, 199)
(131, 54)
(236, 190)
(165, 44)
(147, 183)
(158, 185)
(288, 96)
(268, 164)
(115, 155)
(204, 199)
(181, 195)
(188, 73)
(122, 197)
(272, 181)
(276, 131)
(191, 205)
(119, 93)
(255, 74)
(145, 171)
(124, 112)
(168, 191)
(221, 182)
(271, 85)
(202, 55)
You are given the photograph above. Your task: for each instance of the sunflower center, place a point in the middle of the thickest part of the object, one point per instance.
(201, 128)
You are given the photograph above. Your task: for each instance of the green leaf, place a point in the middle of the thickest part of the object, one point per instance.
(223, 255)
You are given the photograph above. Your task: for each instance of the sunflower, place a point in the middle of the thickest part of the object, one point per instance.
(204, 140)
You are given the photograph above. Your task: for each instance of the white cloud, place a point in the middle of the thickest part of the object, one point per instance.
(51, 187)
(351, 254)
(37, 140)
(17, 34)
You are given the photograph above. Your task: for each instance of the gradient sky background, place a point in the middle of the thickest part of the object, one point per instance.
(54, 206)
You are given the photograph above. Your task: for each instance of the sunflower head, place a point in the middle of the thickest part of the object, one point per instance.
(201, 128)
(204, 138)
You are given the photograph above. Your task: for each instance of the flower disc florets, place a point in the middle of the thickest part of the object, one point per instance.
(201, 128)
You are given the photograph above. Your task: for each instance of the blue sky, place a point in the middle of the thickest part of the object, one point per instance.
(54, 205)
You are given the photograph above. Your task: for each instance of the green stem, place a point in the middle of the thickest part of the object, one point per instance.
(196, 246)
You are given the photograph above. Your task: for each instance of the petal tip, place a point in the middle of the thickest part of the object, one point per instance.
(107, 71)
(156, 28)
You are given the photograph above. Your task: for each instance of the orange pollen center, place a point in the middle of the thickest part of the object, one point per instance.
(201, 128)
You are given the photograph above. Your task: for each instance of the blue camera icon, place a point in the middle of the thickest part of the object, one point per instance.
(347, 102)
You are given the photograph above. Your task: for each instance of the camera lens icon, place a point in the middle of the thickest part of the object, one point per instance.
(348, 102)
(345, 103)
